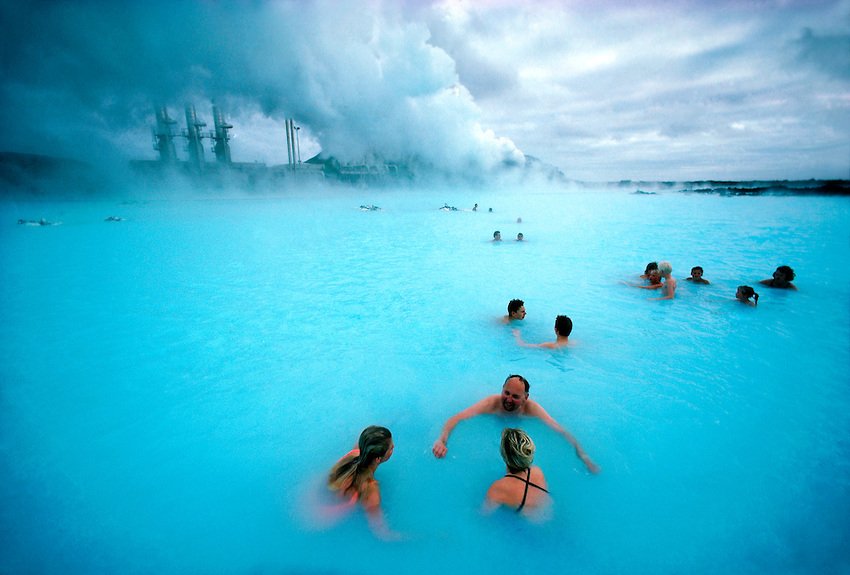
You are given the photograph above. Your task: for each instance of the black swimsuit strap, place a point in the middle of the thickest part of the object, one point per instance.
(527, 484)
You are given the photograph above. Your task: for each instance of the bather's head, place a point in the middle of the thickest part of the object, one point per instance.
(375, 443)
(514, 393)
(665, 268)
(649, 267)
(784, 273)
(516, 309)
(563, 325)
(517, 450)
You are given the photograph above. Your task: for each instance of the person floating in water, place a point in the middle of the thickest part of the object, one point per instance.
(369, 208)
(520, 237)
(782, 278)
(523, 487)
(475, 208)
(563, 329)
(448, 208)
(744, 294)
(512, 401)
(516, 311)
(497, 236)
(353, 476)
(113, 219)
(696, 276)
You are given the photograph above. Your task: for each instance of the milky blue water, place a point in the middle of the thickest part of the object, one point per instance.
(175, 386)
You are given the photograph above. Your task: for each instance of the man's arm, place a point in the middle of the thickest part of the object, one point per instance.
(519, 340)
(486, 405)
(534, 409)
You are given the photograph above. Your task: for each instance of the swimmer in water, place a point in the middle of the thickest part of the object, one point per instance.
(516, 311)
(782, 278)
(563, 329)
(649, 267)
(497, 236)
(520, 237)
(696, 276)
(512, 401)
(669, 282)
(523, 487)
(744, 294)
(353, 476)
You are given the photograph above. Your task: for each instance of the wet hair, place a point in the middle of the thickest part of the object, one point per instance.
(517, 449)
(514, 305)
(748, 292)
(649, 267)
(787, 272)
(497, 233)
(374, 442)
(564, 325)
(665, 268)
(696, 268)
(521, 378)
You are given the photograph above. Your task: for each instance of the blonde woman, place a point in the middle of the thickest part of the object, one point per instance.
(523, 487)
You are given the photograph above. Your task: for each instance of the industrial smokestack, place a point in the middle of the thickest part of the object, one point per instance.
(289, 142)
(221, 137)
(194, 136)
(163, 136)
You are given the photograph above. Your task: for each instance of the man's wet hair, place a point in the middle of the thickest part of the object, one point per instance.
(564, 325)
(695, 268)
(514, 305)
(521, 378)
(650, 266)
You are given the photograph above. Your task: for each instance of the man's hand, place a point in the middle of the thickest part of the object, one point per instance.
(439, 449)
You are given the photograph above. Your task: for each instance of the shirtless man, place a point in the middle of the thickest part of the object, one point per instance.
(512, 400)
(563, 329)
(516, 311)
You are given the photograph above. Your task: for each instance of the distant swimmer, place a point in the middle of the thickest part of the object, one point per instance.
(696, 276)
(782, 278)
(369, 208)
(497, 236)
(519, 220)
(113, 219)
(448, 208)
(744, 294)
(563, 329)
(523, 487)
(353, 476)
(475, 208)
(516, 311)
(512, 401)
(520, 237)
(649, 267)
(669, 282)
(41, 222)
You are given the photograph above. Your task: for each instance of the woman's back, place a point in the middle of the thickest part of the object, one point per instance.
(525, 490)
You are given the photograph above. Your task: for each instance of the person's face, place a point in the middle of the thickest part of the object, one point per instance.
(389, 452)
(519, 314)
(497, 236)
(654, 277)
(779, 276)
(696, 274)
(739, 295)
(513, 394)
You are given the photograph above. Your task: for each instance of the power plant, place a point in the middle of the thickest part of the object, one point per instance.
(165, 135)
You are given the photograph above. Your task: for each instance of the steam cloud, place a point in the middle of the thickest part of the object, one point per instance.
(81, 80)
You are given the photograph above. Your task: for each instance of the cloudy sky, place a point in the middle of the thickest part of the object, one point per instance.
(604, 90)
